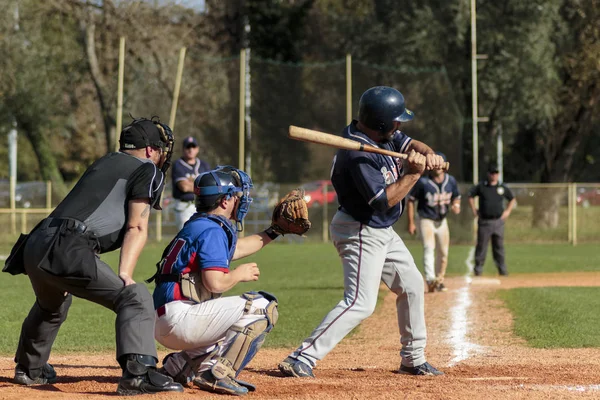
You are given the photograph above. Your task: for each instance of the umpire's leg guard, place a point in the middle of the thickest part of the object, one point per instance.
(248, 339)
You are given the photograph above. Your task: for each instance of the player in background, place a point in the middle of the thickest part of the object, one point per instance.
(217, 336)
(371, 189)
(184, 171)
(435, 194)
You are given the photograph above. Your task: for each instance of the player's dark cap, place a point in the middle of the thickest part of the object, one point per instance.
(380, 106)
(189, 142)
(493, 168)
(139, 134)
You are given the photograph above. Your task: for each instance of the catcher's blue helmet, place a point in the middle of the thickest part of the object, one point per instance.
(228, 181)
(380, 106)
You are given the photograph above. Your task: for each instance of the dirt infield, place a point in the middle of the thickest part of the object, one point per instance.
(470, 339)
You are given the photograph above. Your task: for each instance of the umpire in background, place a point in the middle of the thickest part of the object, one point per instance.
(491, 216)
(107, 209)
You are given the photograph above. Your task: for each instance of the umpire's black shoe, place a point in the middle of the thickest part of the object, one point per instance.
(39, 376)
(140, 376)
(423, 369)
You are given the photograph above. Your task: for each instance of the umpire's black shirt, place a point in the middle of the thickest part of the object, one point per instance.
(490, 199)
(100, 199)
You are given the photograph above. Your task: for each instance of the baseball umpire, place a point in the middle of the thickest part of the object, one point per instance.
(371, 189)
(107, 209)
(490, 218)
(435, 195)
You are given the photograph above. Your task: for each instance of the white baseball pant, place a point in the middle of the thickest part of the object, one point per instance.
(183, 212)
(436, 240)
(370, 256)
(200, 328)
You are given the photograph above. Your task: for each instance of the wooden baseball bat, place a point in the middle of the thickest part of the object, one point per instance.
(311, 136)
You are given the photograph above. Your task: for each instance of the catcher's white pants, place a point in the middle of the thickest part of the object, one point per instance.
(370, 256)
(183, 212)
(436, 240)
(200, 328)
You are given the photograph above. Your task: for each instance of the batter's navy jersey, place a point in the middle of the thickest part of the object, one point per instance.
(434, 198)
(202, 244)
(181, 171)
(360, 178)
(100, 199)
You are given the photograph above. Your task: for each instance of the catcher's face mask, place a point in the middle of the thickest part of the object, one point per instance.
(168, 140)
(240, 189)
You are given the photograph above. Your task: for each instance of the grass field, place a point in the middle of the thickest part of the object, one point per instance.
(307, 279)
(556, 317)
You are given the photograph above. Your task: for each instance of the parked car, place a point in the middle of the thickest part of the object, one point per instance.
(313, 193)
(588, 197)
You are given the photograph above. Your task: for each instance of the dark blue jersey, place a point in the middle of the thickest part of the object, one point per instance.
(434, 198)
(360, 178)
(181, 170)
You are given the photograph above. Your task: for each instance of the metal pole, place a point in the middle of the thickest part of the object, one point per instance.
(248, 101)
(12, 156)
(120, 92)
(242, 114)
(474, 91)
(348, 88)
(500, 153)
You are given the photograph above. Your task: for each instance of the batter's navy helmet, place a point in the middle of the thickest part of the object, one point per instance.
(380, 106)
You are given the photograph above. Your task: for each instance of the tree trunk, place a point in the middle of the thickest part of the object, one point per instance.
(46, 159)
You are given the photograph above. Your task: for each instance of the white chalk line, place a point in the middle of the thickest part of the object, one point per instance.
(569, 388)
(462, 348)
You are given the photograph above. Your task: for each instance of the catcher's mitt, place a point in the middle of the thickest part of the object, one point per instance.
(291, 214)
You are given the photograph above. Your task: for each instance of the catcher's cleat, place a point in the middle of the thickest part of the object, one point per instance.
(247, 385)
(423, 369)
(431, 286)
(180, 377)
(47, 375)
(295, 368)
(207, 381)
(441, 288)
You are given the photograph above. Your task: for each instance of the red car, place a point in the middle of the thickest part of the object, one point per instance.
(313, 193)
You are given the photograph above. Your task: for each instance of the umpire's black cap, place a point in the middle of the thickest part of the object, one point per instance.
(493, 168)
(139, 134)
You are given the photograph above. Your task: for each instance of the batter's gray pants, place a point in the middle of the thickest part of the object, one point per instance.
(370, 256)
(490, 229)
(132, 304)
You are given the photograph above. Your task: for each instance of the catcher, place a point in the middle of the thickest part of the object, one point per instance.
(218, 336)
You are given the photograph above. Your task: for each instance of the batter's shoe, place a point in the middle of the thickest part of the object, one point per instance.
(441, 288)
(296, 368)
(41, 376)
(141, 376)
(423, 369)
(431, 285)
(207, 381)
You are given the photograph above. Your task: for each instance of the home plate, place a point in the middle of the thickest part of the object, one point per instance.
(483, 281)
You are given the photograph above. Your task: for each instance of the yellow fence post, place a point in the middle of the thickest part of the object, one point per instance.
(325, 217)
(48, 194)
(570, 188)
(24, 220)
(574, 216)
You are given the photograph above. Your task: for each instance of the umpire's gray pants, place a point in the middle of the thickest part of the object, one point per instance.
(370, 256)
(132, 304)
(490, 229)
